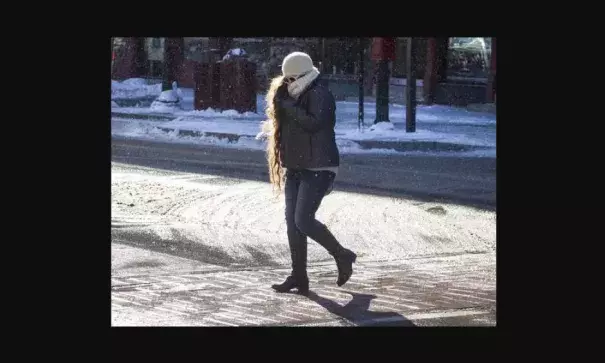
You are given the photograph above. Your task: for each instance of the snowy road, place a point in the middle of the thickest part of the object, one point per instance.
(221, 210)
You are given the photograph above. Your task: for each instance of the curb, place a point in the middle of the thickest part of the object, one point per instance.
(138, 116)
(134, 102)
(170, 117)
(482, 107)
(218, 135)
(364, 144)
(416, 145)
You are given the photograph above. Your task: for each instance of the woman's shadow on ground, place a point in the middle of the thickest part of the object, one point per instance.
(356, 311)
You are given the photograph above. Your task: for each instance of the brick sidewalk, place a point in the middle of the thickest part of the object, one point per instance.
(455, 290)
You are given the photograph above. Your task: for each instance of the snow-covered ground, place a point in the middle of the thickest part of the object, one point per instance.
(134, 88)
(435, 123)
(231, 218)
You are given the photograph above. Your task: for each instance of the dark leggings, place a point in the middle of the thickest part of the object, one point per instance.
(304, 192)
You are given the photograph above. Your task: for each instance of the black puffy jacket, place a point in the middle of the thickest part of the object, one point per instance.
(307, 129)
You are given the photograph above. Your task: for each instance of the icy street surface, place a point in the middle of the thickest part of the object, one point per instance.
(198, 238)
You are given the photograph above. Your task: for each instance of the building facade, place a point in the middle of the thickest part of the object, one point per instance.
(454, 70)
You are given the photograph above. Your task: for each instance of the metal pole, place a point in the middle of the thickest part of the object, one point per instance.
(173, 57)
(323, 55)
(360, 124)
(410, 87)
(382, 92)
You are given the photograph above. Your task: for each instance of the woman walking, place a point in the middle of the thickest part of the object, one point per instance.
(302, 150)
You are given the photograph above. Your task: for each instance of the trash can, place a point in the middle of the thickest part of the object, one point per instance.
(238, 85)
(207, 86)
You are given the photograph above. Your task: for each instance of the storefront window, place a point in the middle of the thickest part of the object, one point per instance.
(196, 49)
(469, 58)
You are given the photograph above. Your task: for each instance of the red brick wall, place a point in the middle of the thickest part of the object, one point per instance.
(130, 60)
(186, 74)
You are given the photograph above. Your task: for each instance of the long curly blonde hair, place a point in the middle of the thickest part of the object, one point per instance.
(272, 130)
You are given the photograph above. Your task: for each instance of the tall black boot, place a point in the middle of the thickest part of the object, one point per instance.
(344, 262)
(298, 279)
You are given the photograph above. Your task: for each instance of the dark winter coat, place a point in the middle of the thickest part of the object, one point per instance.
(307, 128)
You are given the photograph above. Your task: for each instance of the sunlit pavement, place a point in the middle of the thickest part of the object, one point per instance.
(455, 290)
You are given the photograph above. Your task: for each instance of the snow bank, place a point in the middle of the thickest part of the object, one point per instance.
(146, 130)
(134, 88)
(245, 128)
(135, 82)
(441, 114)
(385, 131)
(210, 112)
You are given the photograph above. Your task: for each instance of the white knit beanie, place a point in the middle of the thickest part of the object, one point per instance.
(296, 63)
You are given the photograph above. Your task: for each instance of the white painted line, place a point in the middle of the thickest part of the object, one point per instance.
(418, 302)
(396, 304)
(450, 314)
(416, 317)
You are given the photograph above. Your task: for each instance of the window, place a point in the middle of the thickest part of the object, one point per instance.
(469, 58)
